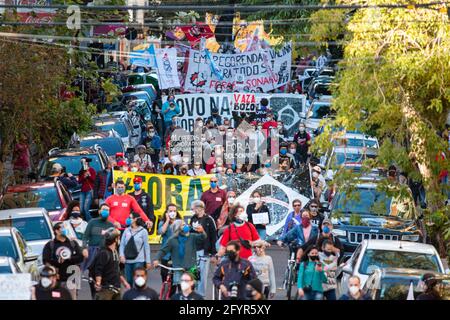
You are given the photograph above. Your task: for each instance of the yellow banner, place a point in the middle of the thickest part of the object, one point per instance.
(166, 189)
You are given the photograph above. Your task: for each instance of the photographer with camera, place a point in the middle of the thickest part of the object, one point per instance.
(311, 276)
(233, 274)
(67, 179)
(86, 178)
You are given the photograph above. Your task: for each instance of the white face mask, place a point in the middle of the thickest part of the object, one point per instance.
(302, 129)
(200, 123)
(134, 169)
(292, 151)
(256, 199)
(172, 214)
(315, 175)
(231, 200)
(243, 216)
(184, 286)
(46, 282)
(140, 282)
(353, 290)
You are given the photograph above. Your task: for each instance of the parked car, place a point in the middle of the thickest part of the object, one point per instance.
(366, 212)
(395, 283)
(110, 142)
(134, 119)
(123, 127)
(143, 78)
(33, 223)
(376, 254)
(13, 245)
(147, 87)
(355, 139)
(8, 265)
(318, 111)
(50, 195)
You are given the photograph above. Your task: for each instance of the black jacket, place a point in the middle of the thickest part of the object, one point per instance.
(251, 210)
(229, 272)
(141, 294)
(207, 222)
(54, 249)
(107, 266)
(57, 293)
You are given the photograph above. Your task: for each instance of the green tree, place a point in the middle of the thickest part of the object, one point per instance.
(394, 82)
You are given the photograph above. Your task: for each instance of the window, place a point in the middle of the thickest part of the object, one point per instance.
(34, 228)
(320, 111)
(8, 247)
(35, 198)
(374, 258)
(5, 269)
(110, 145)
(72, 164)
(119, 127)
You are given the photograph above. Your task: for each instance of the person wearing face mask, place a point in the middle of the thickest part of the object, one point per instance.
(134, 250)
(187, 284)
(105, 269)
(304, 234)
(317, 182)
(140, 290)
(224, 213)
(215, 116)
(154, 144)
(311, 276)
(303, 140)
(316, 217)
(144, 161)
(48, 287)
(121, 204)
(78, 224)
(93, 237)
(197, 170)
(354, 290)
(294, 218)
(233, 273)
(258, 207)
(87, 179)
(284, 156)
(431, 291)
(240, 230)
(170, 109)
(293, 151)
(255, 290)
(264, 268)
(169, 169)
(208, 250)
(329, 260)
(165, 230)
(270, 121)
(144, 200)
(61, 253)
(327, 235)
(183, 247)
(214, 198)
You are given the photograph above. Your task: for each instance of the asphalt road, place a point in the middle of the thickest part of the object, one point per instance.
(279, 256)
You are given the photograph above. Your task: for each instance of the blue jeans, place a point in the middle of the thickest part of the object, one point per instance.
(204, 270)
(262, 233)
(129, 270)
(312, 295)
(85, 204)
(330, 294)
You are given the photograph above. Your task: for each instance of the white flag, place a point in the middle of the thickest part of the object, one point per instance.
(410, 292)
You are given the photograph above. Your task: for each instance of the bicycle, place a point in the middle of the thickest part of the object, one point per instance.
(166, 287)
(290, 275)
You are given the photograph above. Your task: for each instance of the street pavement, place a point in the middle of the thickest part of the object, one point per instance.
(279, 256)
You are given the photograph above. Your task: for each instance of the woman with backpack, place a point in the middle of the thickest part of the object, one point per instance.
(134, 248)
(240, 230)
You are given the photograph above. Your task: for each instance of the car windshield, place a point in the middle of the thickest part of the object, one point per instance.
(8, 248)
(320, 110)
(72, 164)
(5, 269)
(355, 142)
(33, 228)
(370, 201)
(374, 258)
(136, 79)
(397, 288)
(341, 158)
(110, 145)
(36, 198)
(118, 126)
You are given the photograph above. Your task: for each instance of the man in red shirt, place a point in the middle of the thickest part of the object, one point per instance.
(214, 199)
(270, 121)
(86, 177)
(121, 205)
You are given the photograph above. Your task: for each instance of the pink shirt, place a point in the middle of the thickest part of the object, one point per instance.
(307, 232)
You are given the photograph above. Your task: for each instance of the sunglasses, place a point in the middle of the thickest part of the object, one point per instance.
(297, 205)
(313, 206)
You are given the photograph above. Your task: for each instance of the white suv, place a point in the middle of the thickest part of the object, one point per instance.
(377, 254)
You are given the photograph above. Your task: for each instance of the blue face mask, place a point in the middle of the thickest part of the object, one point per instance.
(326, 229)
(104, 214)
(268, 165)
(213, 184)
(186, 228)
(137, 186)
(129, 221)
(168, 171)
(283, 151)
(64, 232)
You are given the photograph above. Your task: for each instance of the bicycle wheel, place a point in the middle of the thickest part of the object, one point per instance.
(289, 284)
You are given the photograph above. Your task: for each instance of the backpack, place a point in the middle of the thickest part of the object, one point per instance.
(131, 252)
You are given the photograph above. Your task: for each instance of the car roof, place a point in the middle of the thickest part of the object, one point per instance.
(21, 213)
(96, 135)
(6, 230)
(130, 93)
(72, 152)
(405, 272)
(355, 135)
(358, 150)
(105, 118)
(393, 245)
(31, 186)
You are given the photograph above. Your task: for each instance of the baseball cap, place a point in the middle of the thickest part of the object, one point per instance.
(327, 221)
(317, 169)
(57, 167)
(137, 180)
(121, 163)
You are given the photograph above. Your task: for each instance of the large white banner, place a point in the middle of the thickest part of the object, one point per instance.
(256, 70)
(15, 286)
(166, 60)
(287, 106)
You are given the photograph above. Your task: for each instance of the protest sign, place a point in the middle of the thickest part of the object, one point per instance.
(260, 218)
(166, 62)
(263, 70)
(166, 189)
(15, 286)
